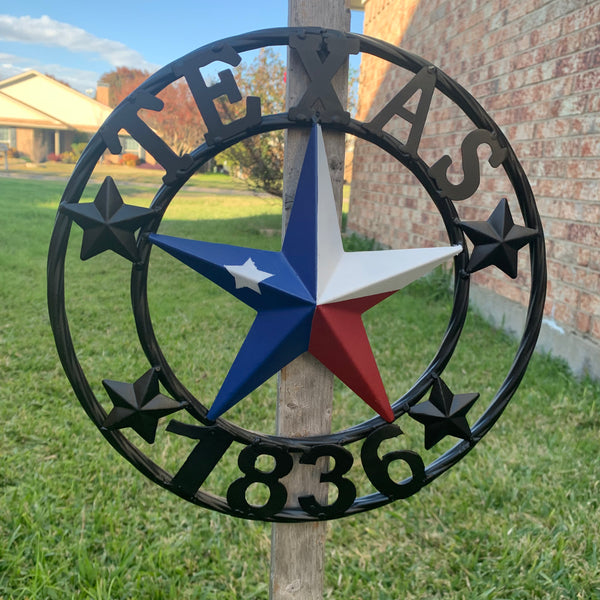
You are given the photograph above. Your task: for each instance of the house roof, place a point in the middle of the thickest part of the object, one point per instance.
(35, 100)
(16, 113)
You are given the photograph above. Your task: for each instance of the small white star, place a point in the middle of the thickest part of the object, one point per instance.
(247, 275)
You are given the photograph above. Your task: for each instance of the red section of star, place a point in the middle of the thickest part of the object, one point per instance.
(339, 340)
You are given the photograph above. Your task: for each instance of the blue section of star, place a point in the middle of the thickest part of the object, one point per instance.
(300, 241)
(287, 288)
(283, 288)
(281, 330)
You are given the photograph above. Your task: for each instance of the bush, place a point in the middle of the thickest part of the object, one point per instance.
(71, 156)
(130, 160)
(53, 157)
(68, 158)
(13, 153)
(77, 148)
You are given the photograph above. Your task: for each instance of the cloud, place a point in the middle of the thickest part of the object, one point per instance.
(80, 79)
(49, 32)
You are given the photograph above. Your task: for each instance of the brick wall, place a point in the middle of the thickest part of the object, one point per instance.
(534, 65)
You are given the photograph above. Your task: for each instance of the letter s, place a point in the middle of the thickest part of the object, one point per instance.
(470, 165)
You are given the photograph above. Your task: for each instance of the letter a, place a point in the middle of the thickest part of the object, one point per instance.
(424, 80)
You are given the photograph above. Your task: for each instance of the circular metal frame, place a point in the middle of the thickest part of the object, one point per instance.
(151, 347)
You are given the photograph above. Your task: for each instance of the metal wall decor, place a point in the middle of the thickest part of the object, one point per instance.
(308, 297)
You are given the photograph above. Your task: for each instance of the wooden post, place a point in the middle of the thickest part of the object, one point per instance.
(305, 386)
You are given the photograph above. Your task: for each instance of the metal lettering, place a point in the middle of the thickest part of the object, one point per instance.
(205, 95)
(377, 469)
(470, 165)
(424, 80)
(236, 493)
(126, 117)
(322, 56)
(212, 444)
(346, 489)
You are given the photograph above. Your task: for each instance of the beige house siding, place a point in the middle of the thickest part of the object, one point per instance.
(60, 102)
(534, 65)
(46, 115)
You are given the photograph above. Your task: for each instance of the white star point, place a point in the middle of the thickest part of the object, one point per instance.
(359, 274)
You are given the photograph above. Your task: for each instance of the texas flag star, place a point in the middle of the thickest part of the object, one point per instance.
(247, 275)
(310, 296)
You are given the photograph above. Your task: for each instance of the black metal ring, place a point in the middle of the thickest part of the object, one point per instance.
(251, 41)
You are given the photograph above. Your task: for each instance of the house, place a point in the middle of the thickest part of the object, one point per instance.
(41, 116)
(534, 67)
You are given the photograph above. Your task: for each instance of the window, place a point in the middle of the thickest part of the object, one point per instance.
(8, 136)
(130, 145)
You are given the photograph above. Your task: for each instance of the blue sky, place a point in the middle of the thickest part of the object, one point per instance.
(77, 41)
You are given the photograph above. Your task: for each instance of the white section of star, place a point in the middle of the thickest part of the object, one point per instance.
(247, 275)
(348, 275)
(359, 274)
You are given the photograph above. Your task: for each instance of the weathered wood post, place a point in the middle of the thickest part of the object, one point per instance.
(305, 385)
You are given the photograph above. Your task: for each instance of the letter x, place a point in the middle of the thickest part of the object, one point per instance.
(322, 56)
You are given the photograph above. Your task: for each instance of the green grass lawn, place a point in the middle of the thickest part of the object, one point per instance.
(52, 169)
(518, 518)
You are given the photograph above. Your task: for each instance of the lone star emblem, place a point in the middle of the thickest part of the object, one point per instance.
(312, 294)
(247, 275)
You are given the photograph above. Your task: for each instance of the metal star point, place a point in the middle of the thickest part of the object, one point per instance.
(108, 223)
(497, 241)
(444, 414)
(312, 292)
(139, 405)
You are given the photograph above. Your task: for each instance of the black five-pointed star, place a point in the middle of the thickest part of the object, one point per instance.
(497, 240)
(139, 405)
(444, 414)
(108, 223)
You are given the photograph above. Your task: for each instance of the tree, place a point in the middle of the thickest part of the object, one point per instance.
(121, 82)
(179, 123)
(259, 158)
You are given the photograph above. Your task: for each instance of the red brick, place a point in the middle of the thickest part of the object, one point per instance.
(589, 303)
(588, 235)
(572, 105)
(564, 314)
(552, 128)
(581, 18)
(593, 105)
(534, 65)
(591, 214)
(585, 190)
(568, 295)
(550, 188)
(582, 167)
(583, 322)
(595, 329)
(576, 63)
(583, 256)
(563, 209)
(588, 81)
(590, 145)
